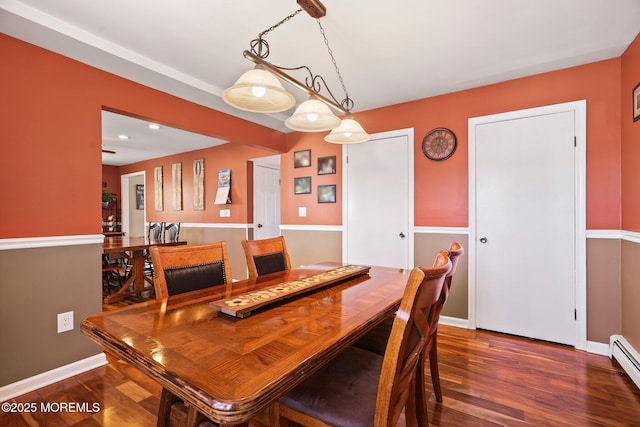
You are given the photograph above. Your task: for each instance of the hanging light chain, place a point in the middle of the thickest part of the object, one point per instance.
(347, 102)
(259, 46)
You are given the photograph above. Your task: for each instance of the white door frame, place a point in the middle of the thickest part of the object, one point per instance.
(124, 199)
(409, 134)
(579, 108)
(271, 162)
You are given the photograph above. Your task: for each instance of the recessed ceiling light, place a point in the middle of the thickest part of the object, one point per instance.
(154, 126)
(123, 136)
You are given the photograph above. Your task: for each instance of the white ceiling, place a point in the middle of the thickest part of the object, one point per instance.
(144, 143)
(388, 52)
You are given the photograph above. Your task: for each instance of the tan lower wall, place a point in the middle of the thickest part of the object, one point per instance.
(630, 279)
(36, 285)
(603, 289)
(313, 246)
(232, 236)
(427, 246)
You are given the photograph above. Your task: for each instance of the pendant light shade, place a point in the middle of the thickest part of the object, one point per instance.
(312, 115)
(349, 132)
(258, 91)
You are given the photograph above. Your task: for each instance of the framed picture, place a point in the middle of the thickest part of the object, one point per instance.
(327, 193)
(302, 185)
(157, 189)
(636, 103)
(139, 197)
(302, 159)
(326, 165)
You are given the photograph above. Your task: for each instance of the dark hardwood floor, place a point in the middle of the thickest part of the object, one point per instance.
(488, 379)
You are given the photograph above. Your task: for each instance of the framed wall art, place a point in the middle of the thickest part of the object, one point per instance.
(326, 165)
(198, 185)
(176, 179)
(636, 103)
(139, 197)
(302, 185)
(327, 193)
(302, 159)
(157, 188)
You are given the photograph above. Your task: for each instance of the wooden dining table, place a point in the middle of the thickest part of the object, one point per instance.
(133, 250)
(231, 369)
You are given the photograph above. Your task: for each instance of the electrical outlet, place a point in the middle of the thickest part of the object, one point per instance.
(65, 321)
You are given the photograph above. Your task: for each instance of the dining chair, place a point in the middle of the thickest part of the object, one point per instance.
(266, 256)
(362, 388)
(455, 251)
(155, 230)
(187, 268)
(171, 232)
(112, 269)
(376, 340)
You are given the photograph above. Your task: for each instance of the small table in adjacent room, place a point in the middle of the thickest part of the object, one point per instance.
(133, 249)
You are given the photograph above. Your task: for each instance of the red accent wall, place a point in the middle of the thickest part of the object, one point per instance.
(630, 139)
(50, 122)
(446, 204)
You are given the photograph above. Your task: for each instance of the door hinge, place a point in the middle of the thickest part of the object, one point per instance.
(575, 141)
(575, 314)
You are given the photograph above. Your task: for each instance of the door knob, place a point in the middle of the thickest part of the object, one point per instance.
(259, 225)
(402, 235)
(483, 240)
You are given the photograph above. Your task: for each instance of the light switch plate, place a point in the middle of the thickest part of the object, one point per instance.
(302, 211)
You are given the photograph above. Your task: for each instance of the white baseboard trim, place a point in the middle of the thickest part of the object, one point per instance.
(26, 385)
(454, 321)
(600, 348)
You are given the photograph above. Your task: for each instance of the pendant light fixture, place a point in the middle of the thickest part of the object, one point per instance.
(312, 115)
(259, 90)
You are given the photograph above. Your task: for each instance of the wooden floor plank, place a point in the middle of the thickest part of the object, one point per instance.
(488, 379)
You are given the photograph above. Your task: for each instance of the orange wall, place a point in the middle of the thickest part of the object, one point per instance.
(226, 156)
(598, 83)
(50, 119)
(630, 140)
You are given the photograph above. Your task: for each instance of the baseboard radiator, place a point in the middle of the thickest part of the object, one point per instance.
(626, 356)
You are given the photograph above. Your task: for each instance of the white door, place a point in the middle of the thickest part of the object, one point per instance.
(378, 200)
(525, 226)
(266, 201)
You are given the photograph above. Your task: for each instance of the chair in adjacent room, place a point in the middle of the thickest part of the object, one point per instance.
(266, 256)
(362, 388)
(155, 230)
(171, 232)
(112, 270)
(181, 269)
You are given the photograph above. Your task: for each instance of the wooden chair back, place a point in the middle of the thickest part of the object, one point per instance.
(344, 392)
(410, 334)
(266, 256)
(181, 269)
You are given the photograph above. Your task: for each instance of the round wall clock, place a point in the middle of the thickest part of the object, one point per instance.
(439, 144)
